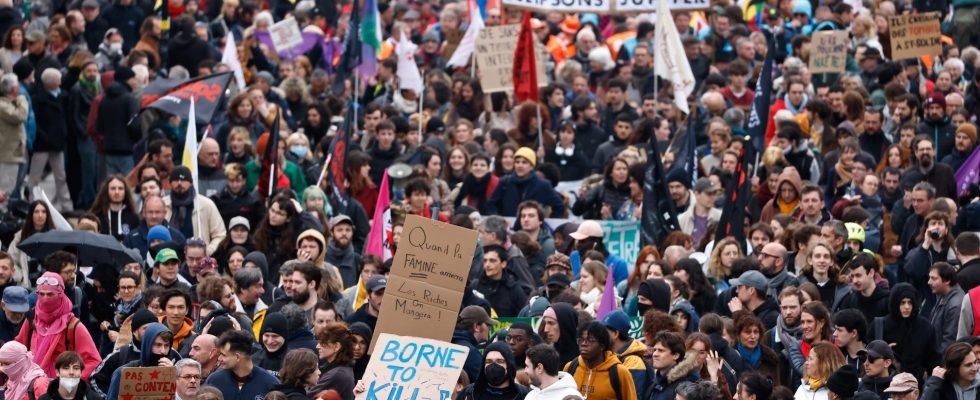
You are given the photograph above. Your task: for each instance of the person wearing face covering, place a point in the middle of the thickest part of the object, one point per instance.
(154, 351)
(558, 326)
(912, 336)
(23, 374)
(653, 294)
(497, 378)
(102, 376)
(273, 342)
(69, 384)
(47, 334)
(362, 340)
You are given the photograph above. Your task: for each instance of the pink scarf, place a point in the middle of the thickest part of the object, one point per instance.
(21, 372)
(52, 315)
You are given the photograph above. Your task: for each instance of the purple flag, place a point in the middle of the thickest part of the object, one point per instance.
(967, 174)
(608, 302)
(310, 40)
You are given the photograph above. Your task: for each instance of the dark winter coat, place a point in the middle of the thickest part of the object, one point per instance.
(914, 337)
(505, 295)
(604, 194)
(117, 108)
(512, 190)
(187, 50)
(52, 130)
(872, 307)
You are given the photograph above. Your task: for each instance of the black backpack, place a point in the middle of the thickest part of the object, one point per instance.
(613, 376)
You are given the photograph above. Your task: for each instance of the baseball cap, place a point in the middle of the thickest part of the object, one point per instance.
(878, 349)
(753, 279)
(34, 36)
(181, 173)
(340, 219)
(902, 383)
(376, 283)
(475, 314)
(705, 185)
(166, 255)
(586, 230)
(617, 320)
(239, 220)
(15, 298)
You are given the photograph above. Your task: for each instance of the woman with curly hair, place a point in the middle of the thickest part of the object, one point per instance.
(526, 133)
(114, 207)
(241, 112)
(277, 233)
(896, 156)
(720, 263)
(316, 123)
(335, 343)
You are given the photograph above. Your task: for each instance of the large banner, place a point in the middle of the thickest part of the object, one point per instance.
(175, 97)
(636, 325)
(604, 6)
(495, 58)
(427, 279)
(915, 35)
(148, 383)
(404, 367)
(622, 238)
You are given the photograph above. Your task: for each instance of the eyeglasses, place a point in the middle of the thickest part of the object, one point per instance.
(767, 255)
(127, 288)
(582, 341)
(190, 377)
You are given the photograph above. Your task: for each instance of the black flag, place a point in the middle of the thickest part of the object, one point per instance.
(174, 96)
(339, 148)
(659, 212)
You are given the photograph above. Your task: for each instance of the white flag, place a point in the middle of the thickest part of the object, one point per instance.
(189, 158)
(59, 221)
(465, 49)
(229, 57)
(670, 62)
(408, 70)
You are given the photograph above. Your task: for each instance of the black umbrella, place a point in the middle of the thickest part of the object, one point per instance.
(91, 248)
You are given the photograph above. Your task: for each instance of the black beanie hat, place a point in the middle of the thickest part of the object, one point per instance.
(361, 329)
(142, 317)
(275, 323)
(123, 73)
(844, 381)
(657, 291)
(23, 68)
(679, 175)
(221, 324)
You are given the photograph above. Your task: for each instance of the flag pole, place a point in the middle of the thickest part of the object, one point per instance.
(540, 129)
(323, 172)
(421, 97)
(473, 65)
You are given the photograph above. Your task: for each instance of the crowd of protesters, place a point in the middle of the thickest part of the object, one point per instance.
(857, 276)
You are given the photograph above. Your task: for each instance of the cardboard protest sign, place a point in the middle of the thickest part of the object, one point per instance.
(495, 58)
(828, 51)
(915, 35)
(651, 5)
(407, 367)
(426, 282)
(578, 6)
(151, 383)
(286, 34)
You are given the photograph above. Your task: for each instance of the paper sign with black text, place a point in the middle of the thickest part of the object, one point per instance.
(915, 35)
(150, 383)
(828, 51)
(495, 58)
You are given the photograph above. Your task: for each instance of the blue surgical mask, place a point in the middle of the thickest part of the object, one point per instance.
(299, 151)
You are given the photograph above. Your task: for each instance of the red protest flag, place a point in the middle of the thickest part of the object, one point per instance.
(525, 71)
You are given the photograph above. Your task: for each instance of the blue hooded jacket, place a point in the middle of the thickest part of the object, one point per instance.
(146, 357)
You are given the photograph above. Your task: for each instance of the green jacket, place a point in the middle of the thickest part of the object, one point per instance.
(297, 181)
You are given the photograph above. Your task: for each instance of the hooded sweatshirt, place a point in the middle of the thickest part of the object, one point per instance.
(319, 261)
(563, 389)
(185, 331)
(775, 206)
(272, 360)
(147, 358)
(258, 258)
(567, 345)
(595, 383)
(914, 337)
(481, 389)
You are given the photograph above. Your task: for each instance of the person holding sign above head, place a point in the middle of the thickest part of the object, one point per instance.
(154, 352)
(240, 379)
(548, 381)
(497, 379)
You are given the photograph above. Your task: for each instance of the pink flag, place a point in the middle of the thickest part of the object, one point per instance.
(379, 239)
(608, 302)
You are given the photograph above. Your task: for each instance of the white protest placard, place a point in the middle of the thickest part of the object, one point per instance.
(651, 5)
(405, 367)
(495, 58)
(828, 51)
(578, 6)
(915, 35)
(285, 34)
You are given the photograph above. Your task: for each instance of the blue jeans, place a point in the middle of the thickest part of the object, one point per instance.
(118, 164)
(87, 157)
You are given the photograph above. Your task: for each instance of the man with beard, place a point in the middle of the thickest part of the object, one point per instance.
(772, 262)
(238, 374)
(102, 376)
(192, 214)
(679, 186)
(301, 287)
(368, 313)
(965, 142)
(340, 253)
(15, 306)
(938, 174)
(548, 381)
(873, 140)
(890, 192)
(787, 328)
(588, 135)
(154, 352)
(936, 125)
(750, 294)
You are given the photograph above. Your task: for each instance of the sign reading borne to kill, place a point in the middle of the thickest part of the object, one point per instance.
(495, 58)
(427, 279)
(150, 383)
(915, 35)
(404, 367)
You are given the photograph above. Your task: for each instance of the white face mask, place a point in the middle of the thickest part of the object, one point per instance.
(69, 383)
(115, 47)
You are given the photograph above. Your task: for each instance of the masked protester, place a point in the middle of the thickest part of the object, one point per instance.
(23, 374)
(155, 351)
(497, 378)
(69, 383)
